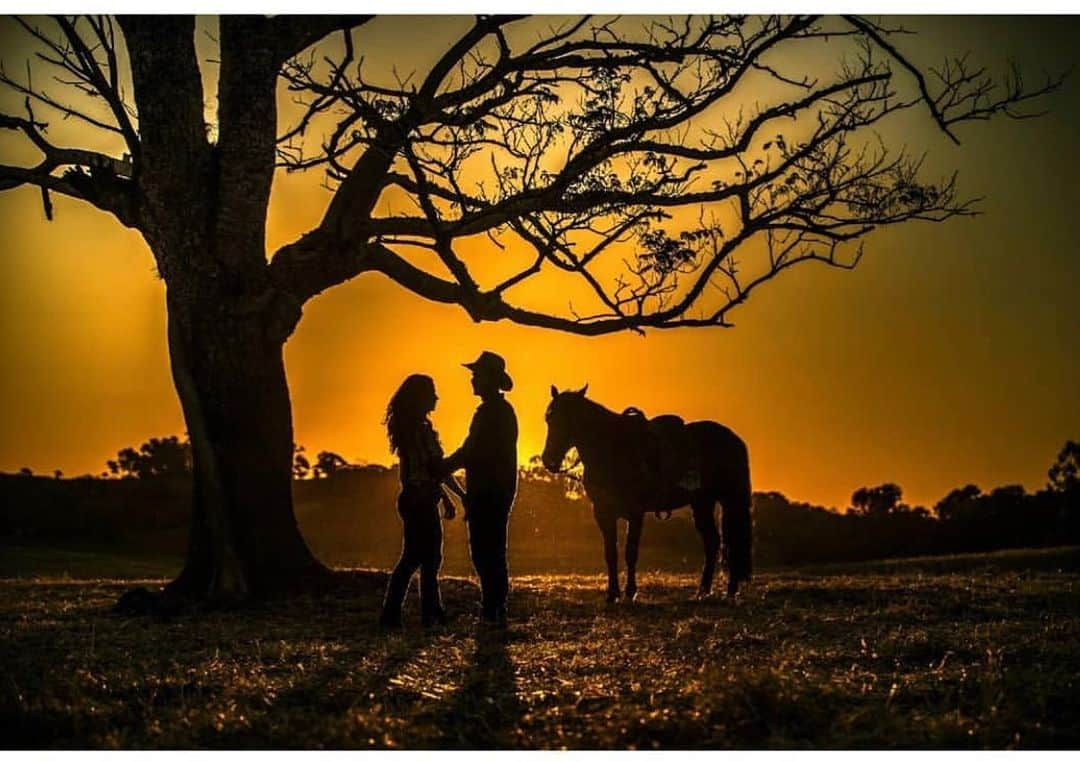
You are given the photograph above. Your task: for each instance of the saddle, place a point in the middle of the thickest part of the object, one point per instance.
(665, 459)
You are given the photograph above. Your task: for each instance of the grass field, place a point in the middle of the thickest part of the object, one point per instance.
(958, 652)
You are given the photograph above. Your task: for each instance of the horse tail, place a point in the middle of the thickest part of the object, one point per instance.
(736, 523)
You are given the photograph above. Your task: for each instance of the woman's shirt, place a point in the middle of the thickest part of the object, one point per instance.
(422, 461)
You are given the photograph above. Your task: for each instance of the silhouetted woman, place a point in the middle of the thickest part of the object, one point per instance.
(414, 439)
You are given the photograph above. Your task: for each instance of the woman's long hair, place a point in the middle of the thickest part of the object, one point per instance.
(408, 408)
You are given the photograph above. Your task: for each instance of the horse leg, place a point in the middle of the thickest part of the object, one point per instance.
(705, 522)
(633, 538)
(732, 587)
(606, 523)
(737, 528)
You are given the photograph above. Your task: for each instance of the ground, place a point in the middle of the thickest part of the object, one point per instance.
(960, 652)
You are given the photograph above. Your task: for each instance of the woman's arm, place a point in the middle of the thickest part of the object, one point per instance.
(455, 461)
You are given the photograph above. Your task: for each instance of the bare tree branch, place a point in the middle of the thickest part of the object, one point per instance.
(105, 183)
(965, 95)
(77, 56)
(596, 141)
(103, 79)
(622, 154)
(293, 34)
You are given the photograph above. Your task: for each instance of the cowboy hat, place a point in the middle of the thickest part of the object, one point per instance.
(492, 366)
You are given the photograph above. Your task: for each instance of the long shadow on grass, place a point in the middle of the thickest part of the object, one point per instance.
(313, 711)
(359, 606)
(486, 710)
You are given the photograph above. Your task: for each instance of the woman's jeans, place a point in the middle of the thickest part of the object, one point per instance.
(421, 549)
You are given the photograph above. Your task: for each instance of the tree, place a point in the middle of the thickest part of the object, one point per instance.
(571, 149)
(877, 501)
(1064, 475)
(155, 458)
(301, 465)
(329, 463)
(1007, 506)
(959, 503)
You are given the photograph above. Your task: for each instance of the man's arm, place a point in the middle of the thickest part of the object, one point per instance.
(456, 460)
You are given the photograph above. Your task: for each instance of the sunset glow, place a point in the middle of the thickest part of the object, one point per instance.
(947, 357)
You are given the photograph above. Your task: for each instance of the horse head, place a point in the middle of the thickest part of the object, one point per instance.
(560, 419)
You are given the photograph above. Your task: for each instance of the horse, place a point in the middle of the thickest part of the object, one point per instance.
(614, 448)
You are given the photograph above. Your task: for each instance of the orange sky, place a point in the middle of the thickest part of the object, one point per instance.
(949, 356)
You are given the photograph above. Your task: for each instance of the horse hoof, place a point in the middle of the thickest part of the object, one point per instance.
(612, 597)
(630, 596)
(704, 595)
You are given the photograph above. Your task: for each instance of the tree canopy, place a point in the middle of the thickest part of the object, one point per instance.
(156, 457)
(669, 167)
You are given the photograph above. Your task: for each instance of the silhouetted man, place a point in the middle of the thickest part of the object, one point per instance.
(489, 457)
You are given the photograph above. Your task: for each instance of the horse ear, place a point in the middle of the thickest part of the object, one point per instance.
(581, 392)
(554, 392)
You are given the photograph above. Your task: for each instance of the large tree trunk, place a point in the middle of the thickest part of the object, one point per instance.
(229, 373)
(202, 210)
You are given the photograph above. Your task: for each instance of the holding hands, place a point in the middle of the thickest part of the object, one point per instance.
(449, 510)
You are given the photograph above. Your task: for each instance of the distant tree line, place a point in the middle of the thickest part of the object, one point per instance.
(346, 512)
(164, 457)
(168, 457)
(878, 524)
